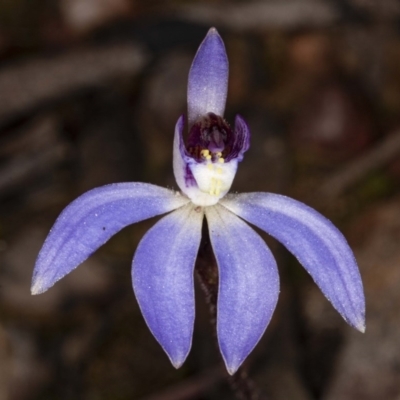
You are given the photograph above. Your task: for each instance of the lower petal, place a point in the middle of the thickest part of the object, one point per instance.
(314, 241)
(162, 275)
(248, 285)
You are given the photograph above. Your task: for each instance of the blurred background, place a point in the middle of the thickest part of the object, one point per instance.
(90, 91)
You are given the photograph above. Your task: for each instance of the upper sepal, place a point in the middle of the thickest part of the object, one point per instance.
(208, 78)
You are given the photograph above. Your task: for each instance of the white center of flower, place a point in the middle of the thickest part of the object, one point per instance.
(214, 178)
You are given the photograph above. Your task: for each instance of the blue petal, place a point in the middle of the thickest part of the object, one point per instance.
(314, 241)
(242, 139)
(208, 78)
(183, 175)
(162, 275)
(248, 285)
(90, 220)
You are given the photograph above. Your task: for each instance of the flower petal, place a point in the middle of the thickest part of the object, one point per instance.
(242, 139)
(203, 183)
(183, 175)
(314, 241)
(208, 78)
(90, 220)
(162, 275)
(248, 285)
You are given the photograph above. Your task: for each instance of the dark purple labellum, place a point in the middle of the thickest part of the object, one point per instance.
(211, 133)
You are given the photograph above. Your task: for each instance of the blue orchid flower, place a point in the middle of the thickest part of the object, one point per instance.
(162, 268)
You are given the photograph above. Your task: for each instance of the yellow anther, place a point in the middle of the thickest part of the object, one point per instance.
(218, 154)
(221, 160)
(217, 191)
(206, 154)
(210, 167)
(219, 170)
